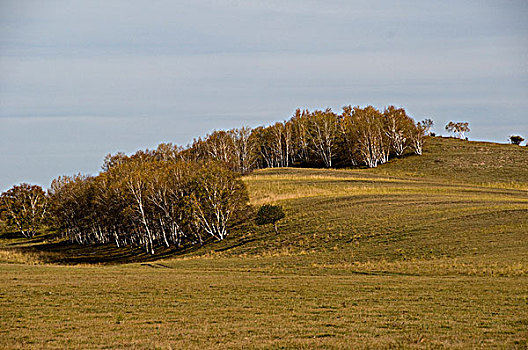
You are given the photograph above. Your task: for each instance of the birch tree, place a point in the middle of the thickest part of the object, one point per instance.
(135, 178)
(267, 151)
(217, 197)
(300, 135)
(323, 135)
(398, 128)
(24, 207)
(372, 143)
(417, 138)
(244, 148)
(426, 124)
(460, 128)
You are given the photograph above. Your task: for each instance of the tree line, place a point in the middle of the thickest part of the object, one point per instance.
(322, 138)
(173, 196)
(149, 199)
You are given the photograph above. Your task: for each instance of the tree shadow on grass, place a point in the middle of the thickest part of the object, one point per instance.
(52, 250)
(65, 252)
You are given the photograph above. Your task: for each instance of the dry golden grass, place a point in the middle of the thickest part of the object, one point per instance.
(425, 252)
(434, 267)
(194, 304)
(13, 256)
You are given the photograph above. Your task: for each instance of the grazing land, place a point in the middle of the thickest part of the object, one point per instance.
(427, 251)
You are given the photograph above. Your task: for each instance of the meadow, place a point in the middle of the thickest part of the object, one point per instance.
(427, 251)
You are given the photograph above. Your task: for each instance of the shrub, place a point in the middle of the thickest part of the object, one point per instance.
(270, 214)
(516, 139)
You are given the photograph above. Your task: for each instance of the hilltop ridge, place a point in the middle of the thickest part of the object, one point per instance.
(465, 161)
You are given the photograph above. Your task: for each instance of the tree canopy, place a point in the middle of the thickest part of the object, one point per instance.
(321, 138)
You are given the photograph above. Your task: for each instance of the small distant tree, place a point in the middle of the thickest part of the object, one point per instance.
(270, 214)
(426, 124)
(459, 128)
(516, 139)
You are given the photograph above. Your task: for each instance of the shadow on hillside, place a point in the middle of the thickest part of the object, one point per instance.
(64, 252)
(50, 249)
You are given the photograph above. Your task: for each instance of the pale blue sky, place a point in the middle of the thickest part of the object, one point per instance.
(80, 79)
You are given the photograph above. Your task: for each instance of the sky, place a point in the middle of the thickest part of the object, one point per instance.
(81, 79)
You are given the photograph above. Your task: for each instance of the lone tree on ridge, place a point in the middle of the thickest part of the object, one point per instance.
(516, 140)
(459, 128)
(427, 124)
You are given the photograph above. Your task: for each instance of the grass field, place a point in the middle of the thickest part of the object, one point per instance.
(426, 252)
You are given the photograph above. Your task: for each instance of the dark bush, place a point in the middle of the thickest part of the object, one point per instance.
(516, 139)
(270, 214)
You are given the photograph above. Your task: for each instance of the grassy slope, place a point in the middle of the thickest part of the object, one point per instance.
(427, 251)
(425, 214)
(466, 162)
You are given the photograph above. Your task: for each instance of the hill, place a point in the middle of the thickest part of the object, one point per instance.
(461, 161)
(426, 251)
(463, 202)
